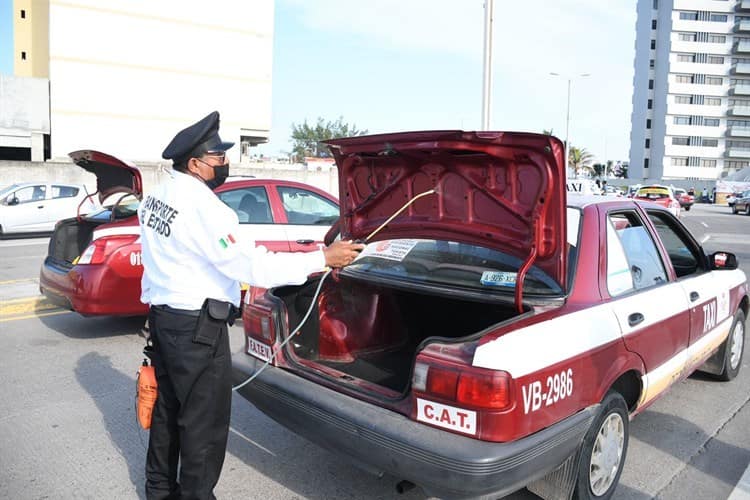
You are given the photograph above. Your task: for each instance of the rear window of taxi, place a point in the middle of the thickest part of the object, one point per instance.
(652, 193)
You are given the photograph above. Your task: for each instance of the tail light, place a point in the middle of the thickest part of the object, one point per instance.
(468, 386)
(100, 250)
(259, 316)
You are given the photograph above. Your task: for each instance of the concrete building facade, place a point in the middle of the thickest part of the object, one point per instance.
(124, 77)
(691, 99)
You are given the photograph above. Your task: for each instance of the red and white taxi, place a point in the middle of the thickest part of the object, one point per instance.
(94, 266)
(661, 195)
(492, 332)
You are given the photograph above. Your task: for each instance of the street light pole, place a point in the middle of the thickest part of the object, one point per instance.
(487, 75)
(567, 118)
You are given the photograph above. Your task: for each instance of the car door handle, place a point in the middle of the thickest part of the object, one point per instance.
(40, 206)
(305, 242)
(635, 319)
(694, 296)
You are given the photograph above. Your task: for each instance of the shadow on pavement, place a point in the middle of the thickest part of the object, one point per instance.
(104, 383)
(75, 326)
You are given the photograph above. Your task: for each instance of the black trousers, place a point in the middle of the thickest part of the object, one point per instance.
(190, 422)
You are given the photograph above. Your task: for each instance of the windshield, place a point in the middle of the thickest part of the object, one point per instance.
(652, 193)
(4, 191)
(439, 262)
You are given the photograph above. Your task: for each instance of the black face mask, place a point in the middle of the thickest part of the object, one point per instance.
(221, 172)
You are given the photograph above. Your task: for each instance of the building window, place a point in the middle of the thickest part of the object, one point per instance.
(650, 84)
(684, 78)
(653, 24)
(687, 37)
(683, 99)
(648, 143)
(708, 163)
(645, 163)
(689, 15)
(680, 162)
(23, 14)
(715, 60)
(686, 57)
(710, 122)
(736, 164)
(682, 120)
(712, 101)
(656, 4)
(653, 44)
(710, 143)
(650, 103)
(681, 141)
(719, 18)
(651, 63)
(648, 123)
(23, 55)
(714, 80)
(717, 38)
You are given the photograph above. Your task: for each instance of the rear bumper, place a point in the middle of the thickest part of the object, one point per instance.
(94, 290)
(442, 463)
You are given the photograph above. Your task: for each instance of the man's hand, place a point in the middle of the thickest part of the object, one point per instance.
(342, 253)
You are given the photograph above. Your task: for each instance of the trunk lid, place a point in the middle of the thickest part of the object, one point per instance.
(112, 174)
(501, 190)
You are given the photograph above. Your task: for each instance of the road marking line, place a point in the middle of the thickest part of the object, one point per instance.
(705, 238)
(704, 224)
(27, 305)
(41, 315)
(25, 280)
(742, 490)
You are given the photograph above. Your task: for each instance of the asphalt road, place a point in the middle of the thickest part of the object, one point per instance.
(67, 426)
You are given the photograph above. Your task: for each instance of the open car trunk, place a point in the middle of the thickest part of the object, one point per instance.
(70, 239)
(373, 332)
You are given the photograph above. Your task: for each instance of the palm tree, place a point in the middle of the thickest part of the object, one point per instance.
(548, 132)
(579, 159)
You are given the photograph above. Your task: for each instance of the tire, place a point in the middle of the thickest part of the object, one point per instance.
(733, 348)
(604, 449)
(687, 208)
(734, 209)
(747, 209)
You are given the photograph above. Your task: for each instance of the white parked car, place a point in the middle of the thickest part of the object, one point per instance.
(32, 207)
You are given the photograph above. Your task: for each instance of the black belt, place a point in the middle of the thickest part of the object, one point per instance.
(186, 312)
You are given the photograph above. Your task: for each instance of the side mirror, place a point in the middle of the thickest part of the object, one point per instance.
(723, 260)
(13, 200)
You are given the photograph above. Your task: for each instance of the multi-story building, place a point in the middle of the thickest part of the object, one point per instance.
(124, 77)
(691, 99)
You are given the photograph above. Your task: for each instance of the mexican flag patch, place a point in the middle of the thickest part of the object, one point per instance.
(227, 240)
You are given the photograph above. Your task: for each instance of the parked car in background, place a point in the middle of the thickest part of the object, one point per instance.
(686, 200)
(661, 195)
(488, 334)
(93, 265)
(742, 203)
(35, 207)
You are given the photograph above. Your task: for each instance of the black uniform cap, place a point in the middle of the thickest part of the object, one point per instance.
(196, 140)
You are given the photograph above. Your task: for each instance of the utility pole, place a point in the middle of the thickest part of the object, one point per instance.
(489, 6)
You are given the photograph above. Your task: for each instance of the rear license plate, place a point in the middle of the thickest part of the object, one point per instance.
(448, 417)
(258, 349)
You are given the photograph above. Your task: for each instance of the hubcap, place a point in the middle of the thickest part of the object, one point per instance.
(606, 454)
(735, 352)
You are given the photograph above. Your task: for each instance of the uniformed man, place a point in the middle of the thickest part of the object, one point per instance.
(194, 257)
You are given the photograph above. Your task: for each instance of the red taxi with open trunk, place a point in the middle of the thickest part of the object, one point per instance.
(93, 265)
(492, 335)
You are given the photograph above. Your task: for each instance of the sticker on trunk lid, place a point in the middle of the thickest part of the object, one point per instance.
(390, 249)
(448, 417)
(498, 278)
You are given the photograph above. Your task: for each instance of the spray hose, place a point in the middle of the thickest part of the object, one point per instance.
(317, 293)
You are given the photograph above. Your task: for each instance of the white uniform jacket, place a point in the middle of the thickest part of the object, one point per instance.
(192, 249)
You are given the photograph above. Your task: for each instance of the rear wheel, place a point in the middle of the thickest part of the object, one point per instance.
(604, 450)
(734, 346)
(734, 209)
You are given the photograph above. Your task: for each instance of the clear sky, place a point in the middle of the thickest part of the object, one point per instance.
(393, 65)
(6, 37)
